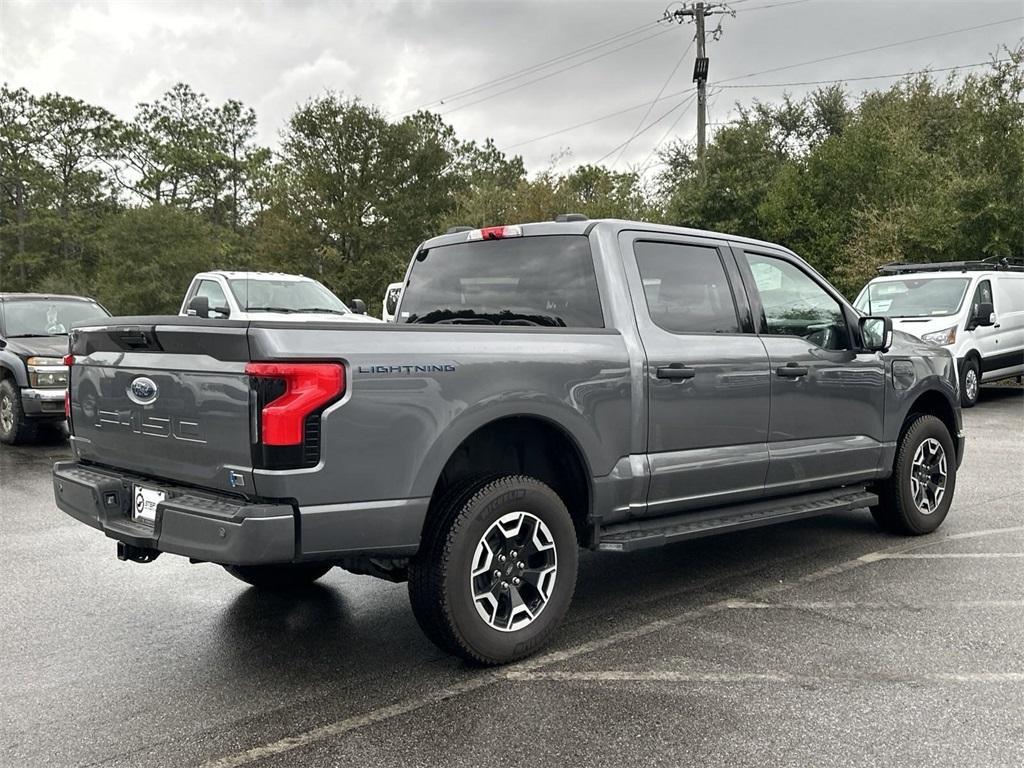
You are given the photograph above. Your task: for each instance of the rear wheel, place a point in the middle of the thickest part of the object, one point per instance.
(496, 569)
(14, 427)
(970, 382)
(916, 498)
(284, 576)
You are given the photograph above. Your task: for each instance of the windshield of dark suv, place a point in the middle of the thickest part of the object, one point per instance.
(258, 294)
(913, 297)
(546, 280)
(47, 317)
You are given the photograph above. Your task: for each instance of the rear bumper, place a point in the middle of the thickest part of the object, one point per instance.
(43, 403)
(217, 529)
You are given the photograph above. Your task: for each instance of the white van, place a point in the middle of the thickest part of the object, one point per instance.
(974, 308)
(267, 296)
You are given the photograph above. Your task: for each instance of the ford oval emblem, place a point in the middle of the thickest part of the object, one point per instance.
(143, 391)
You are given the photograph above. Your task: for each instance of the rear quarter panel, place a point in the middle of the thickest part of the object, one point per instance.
(415, 393)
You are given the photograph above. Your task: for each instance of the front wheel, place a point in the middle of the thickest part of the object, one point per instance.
(14, 427)
(970, 382)
(283, 576)
(915, 499)
(496, 570)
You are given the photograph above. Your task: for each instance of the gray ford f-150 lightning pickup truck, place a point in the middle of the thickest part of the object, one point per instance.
(606, 384)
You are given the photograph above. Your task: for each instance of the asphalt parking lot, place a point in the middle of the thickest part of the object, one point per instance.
(822, 642)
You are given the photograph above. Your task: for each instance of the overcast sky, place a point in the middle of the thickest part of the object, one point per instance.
(403, 55)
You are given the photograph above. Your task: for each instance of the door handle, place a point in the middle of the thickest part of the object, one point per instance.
(676, 372)
(791, 371)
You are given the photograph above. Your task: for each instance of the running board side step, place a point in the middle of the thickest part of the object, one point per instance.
(656, 532)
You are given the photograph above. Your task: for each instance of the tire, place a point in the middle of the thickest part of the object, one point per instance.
(970, 382)
(899, 510)
(496, 617)
(15, 429)
(284, 576)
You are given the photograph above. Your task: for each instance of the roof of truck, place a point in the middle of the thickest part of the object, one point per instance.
(232, 275)
(585, 226)
(930, 273)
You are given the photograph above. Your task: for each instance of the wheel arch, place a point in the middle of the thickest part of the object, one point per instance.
(529, 444)
(933, 402)
(12, 367)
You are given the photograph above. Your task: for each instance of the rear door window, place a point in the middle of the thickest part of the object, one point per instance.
(546, 280)
(686, 288)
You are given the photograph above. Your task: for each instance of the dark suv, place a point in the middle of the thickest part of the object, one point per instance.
(33, 341)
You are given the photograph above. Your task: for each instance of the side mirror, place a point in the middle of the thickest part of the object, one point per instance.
(224, 311)
(358, 306)
(985, 315)
(199, 306)
(876, 333)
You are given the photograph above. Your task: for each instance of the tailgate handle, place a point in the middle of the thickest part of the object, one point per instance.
(676, 372)
(134, 338)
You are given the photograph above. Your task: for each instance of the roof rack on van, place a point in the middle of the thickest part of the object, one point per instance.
(1003, 263)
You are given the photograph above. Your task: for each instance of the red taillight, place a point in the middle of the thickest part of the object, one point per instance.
(67, 404)
(307, 387)
(495, 233)
(69, 360)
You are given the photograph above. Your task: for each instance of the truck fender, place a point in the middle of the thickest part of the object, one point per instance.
(570, 423)
(15, 366)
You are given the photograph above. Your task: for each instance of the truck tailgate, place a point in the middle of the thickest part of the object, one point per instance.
(169, 400)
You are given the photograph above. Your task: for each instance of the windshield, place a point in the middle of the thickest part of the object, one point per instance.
(547, 280)
(47, 317)
(259, 294)
(913, 297)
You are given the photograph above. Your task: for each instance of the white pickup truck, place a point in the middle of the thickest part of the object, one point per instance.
(267, 296)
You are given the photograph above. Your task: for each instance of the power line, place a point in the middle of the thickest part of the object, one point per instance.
(645, 128)
(616, 113)
(556, 72)
(650, 106)
(650, 155)
(535, 67)
(771, 5)
(597, 119)
(874, 48)
(868, 77)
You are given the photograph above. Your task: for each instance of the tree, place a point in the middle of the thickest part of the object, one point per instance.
(73, 142)
(20, 181)
(149, 255)
(353, 193)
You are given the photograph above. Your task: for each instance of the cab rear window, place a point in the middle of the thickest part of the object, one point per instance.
(546, 280)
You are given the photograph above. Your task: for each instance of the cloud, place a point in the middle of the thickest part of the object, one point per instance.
(399, 55)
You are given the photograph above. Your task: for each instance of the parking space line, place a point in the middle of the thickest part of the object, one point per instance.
(668, 676)
(842, 605)
(487, 679)
(672, 676)
(874, 558)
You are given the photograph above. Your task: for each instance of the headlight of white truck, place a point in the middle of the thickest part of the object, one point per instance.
(47, 372)
(945, 337)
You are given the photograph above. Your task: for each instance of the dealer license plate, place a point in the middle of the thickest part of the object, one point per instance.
(144, 503)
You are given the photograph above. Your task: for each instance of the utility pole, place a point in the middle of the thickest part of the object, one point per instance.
(698, 12)
(700, 74)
